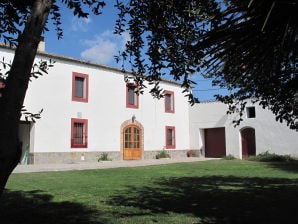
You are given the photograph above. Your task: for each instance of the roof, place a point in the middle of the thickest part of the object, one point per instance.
(74, 60)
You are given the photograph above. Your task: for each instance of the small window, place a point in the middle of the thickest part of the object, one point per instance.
(79, 87)
(170, 137)
(169, 101)
(251, 112)
(79, 131)
(132, 99)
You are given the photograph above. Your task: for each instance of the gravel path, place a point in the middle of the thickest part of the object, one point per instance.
(101, 165)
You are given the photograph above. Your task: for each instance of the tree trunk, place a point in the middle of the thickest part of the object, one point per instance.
(12, 99)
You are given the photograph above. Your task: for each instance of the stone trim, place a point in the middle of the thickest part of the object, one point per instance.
(76, 157)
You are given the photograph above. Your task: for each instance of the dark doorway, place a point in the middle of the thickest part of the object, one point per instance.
(248, 142)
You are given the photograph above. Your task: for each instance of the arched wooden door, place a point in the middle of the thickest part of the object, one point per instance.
(248, 141)
(132, 143)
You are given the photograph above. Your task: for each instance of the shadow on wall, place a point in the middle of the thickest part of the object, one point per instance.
(35, 207)
(216, 199)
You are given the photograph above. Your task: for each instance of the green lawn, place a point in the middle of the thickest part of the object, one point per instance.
(220, 191)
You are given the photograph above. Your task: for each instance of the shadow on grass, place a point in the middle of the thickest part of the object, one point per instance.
(35, 207)
(290, 166)
(216, 199)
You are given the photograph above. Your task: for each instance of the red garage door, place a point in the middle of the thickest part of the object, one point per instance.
(215, 142)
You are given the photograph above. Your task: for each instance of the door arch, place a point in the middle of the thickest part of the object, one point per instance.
(248, 142)
(132, 140)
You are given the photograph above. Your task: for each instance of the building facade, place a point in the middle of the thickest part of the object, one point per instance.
(212, 132)
(90, 109)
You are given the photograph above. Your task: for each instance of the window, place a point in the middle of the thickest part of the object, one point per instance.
(170, 137)
(132, 99)
(79, 87)
(169, 101)
(79, 131)
(250, 112)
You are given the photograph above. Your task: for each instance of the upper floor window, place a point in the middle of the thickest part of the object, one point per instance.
(79, 87)
(169, 101)
(250, 112)
(170, 137)
(79, 133)
(132, 98)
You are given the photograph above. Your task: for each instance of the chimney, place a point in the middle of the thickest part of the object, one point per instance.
(42, 45)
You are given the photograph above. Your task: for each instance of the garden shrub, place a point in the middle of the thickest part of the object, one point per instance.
(163, 154)
(270, 157)
(229, 157)
(104, 157)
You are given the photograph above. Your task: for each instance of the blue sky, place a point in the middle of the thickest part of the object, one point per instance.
(93, 40)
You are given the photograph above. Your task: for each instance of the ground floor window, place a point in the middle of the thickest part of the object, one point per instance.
(170, 137)
(79, 133)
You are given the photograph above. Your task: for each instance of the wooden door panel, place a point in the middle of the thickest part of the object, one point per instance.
(248, 141)
(132, 149)
(215, 142)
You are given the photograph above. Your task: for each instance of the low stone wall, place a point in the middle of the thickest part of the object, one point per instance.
(76, 157)
(173, 153)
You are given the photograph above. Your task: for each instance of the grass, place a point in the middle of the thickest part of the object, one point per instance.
(220, 191)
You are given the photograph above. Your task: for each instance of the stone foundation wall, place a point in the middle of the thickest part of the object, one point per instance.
(76, 157)
(173, 153)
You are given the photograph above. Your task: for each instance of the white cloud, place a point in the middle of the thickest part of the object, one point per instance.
(103, 47)
(80, 24)
(102, 52)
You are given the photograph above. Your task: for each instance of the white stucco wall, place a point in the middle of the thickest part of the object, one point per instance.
(105, 110)
(270, 135)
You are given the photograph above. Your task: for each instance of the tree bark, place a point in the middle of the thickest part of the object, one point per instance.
(13, 95)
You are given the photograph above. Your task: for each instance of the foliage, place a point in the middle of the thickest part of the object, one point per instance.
(172, 193)
(31, 116)
(41, 67)
(163, 154)
(270, 157)
(249, 47)
(4, 71)
(104, 157)
(22, 24)
(229, 157)
(38, 69)
(14, 14)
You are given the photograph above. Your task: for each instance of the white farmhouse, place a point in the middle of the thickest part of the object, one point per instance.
(89, 109)
(212, 131)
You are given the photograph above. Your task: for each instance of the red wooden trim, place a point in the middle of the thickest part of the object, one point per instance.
(136, 105)
(86, 89)
(172, 101)
(85, 122)
(167, 145)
